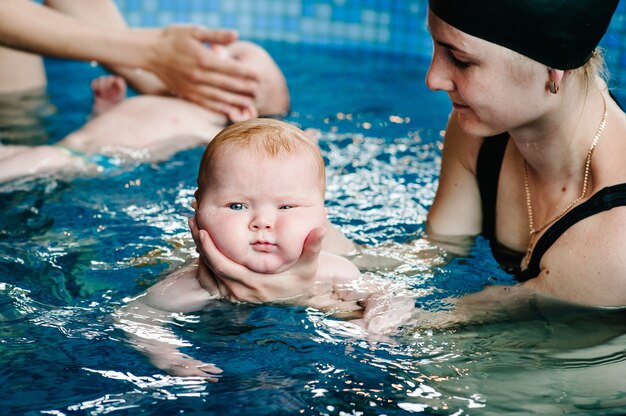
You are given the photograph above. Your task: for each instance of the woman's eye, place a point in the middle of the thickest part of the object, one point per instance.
(457, 62)
(237, 206)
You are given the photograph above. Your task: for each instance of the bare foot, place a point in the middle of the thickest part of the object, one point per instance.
(107, 90)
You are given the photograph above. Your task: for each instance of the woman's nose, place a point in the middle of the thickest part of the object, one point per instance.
(438, 77)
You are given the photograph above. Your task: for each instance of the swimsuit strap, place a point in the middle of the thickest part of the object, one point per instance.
(603, 200)
(488, 166)
(100, 160)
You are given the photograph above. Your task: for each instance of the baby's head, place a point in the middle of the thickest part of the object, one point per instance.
(261, 192)
(273, 95)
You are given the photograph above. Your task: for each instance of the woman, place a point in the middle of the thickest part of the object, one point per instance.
(548, 190)
(539, 191)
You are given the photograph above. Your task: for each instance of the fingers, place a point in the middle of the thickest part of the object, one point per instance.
(219, 36)
(194, 368)
(238, 283)
(221, 265)
(381, 325)
(198, 73)
(347, 310)
(312, 246)
(386, 313)
(183, 365)
(193, 227)
(218, 108)
(217, 99)
(227, 74)
(352, 292)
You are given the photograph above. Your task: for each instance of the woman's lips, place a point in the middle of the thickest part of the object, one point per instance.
(458, 106)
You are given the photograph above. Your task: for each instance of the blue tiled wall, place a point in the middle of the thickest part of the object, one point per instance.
(379, 25)
(396, 26)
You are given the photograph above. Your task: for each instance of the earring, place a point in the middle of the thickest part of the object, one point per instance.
(554, 89)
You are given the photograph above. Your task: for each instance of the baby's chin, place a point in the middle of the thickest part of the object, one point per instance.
(269, 267)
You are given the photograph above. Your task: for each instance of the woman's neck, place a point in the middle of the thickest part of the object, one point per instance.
(555, 146)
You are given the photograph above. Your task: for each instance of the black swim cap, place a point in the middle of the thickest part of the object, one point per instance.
(561, 34)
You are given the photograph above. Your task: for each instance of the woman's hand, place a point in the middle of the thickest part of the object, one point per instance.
(385, 313)
(191, 70)
(295, 286)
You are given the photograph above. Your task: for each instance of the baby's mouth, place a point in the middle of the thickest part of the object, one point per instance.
(263, 246)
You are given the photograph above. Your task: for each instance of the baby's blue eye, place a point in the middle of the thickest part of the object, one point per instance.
(237, 206)
(286, 207)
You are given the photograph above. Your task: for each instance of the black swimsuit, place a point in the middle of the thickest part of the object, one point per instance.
(488, 167)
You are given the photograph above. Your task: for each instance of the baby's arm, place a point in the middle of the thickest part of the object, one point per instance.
(379, 306)
(144, 319)
(334, 272)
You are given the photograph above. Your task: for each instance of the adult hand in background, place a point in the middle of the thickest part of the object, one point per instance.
(191, 70)
(295, 286)
(95, 31)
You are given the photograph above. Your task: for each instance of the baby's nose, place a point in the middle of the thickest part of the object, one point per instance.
(262, 222)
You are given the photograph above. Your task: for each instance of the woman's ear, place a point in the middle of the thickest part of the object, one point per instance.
(555, 76)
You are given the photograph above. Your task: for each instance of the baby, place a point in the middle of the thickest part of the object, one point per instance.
(260, 194)
(145, 127)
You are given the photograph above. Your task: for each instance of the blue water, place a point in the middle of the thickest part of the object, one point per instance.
(72, 250)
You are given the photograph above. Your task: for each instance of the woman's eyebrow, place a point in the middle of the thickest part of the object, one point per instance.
(448, 46)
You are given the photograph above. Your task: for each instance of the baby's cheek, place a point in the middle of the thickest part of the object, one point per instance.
(229, 243)
(295, 241)
(202, 216)
(230, 235)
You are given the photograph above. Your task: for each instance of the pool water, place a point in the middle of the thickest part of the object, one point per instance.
(72, 250)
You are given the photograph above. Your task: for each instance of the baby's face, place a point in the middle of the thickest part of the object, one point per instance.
(259, 211)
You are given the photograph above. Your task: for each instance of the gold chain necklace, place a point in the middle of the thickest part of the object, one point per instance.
(534, 233)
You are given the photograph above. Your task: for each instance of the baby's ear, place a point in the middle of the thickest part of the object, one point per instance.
(237, 114)
(194, 203)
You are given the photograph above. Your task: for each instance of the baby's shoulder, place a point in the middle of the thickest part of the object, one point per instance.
(334, 268)
(184, 290)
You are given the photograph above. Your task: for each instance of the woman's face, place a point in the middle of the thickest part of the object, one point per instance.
(492, 89)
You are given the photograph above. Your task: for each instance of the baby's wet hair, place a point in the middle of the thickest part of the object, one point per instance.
(267, 137)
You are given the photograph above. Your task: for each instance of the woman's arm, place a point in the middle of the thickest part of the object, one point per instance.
(456, 210)
(176, 54)
(105, 13)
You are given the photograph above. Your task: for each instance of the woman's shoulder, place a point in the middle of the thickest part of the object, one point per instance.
(460, 145)
(585, 262)
(610, 153)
